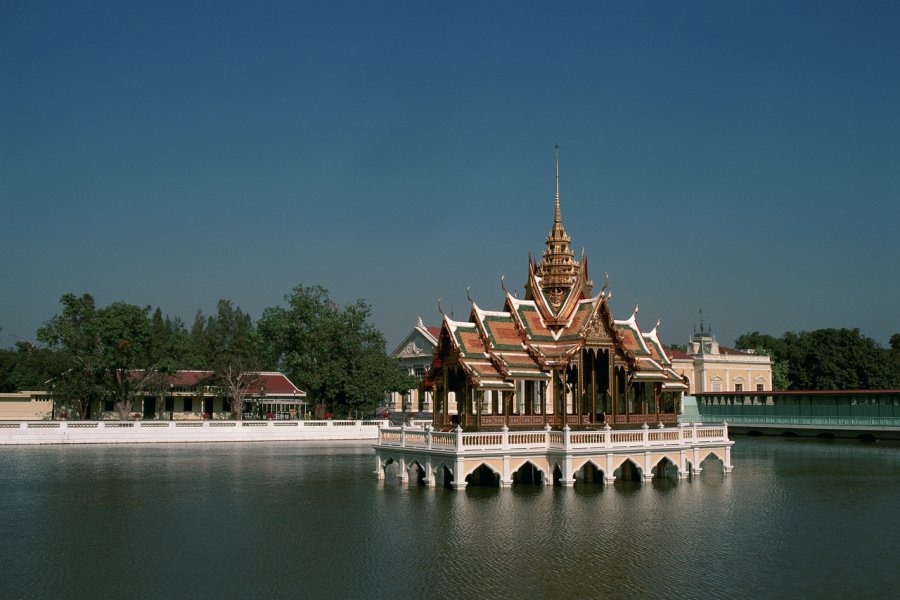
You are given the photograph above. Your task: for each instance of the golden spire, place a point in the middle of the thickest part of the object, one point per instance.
(558, 268)
(557, 218)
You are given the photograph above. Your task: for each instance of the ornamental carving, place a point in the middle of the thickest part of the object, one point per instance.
(596, 331)
(412, 349)
(556, 296)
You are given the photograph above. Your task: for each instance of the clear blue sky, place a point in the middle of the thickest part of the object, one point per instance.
(740, 155)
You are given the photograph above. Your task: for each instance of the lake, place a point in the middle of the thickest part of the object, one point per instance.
(797, 518)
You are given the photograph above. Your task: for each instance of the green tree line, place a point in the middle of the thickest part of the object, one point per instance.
(122, 352)
(827, 359)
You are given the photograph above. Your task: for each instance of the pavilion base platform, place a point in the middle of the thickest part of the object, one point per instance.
(548, 456)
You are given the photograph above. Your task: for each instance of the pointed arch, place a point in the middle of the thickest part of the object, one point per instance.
(416, 472)
(483, 475)
(626, 469)
(588, 470)
(665, 468)
(530, 473)
(715, 453)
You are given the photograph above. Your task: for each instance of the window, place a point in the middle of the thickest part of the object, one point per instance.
(419, 371)
(188, 405)
(739, 387)
(170, 404)
(759, 387)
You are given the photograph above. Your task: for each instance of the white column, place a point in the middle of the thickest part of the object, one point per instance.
(459, 481)
(402, 474)
(609, 474)
(506, 478)
(429, 475)
(682, 465)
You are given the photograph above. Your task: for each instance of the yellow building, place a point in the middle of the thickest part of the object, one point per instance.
(711, 367)
(25, 406)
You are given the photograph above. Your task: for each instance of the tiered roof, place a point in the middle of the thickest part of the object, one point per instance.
(557, 318)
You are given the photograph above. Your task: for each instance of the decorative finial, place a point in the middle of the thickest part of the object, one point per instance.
(468, 295)
(557, 218)
(441, 309)
(503, 283)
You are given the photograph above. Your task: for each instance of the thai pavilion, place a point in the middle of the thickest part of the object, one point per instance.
(555, 357)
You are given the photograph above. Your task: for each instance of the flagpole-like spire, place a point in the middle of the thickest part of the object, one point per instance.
(557, 218)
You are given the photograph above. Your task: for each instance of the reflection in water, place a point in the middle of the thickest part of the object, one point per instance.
(798, 517)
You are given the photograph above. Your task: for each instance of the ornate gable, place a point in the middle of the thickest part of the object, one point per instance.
(420, 342)
(600, 329)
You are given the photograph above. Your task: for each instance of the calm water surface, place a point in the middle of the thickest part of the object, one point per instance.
(797, 518)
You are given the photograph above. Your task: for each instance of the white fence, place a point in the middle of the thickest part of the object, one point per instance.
(154, 432)
(459, 441)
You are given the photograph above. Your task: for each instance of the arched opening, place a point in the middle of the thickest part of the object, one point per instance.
(628, 472)
(789, 434)
(528, 474)
(665, 469)
(483, 476)
(754, 433)
(390, 468)
(416, 473)
(826, 435)
(867, 437)
(443, 477)
(712, 461)
(557, 475)
(589, 474)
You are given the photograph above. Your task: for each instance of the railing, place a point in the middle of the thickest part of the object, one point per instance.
(62, 432)
(554, 420)
(809, 421)
(459, 441)
(853, 408)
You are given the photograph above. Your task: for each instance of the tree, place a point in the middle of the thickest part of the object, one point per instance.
(826, 359)
(108, 350)
(229, 346)
(333, 353)
(74, 333)
(33, 367)
(895, 349)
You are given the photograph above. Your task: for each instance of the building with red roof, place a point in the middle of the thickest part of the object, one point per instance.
(556, 357)
(194, 394)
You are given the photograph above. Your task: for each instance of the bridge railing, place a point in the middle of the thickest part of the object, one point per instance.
(460, 441)
(842, 408)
